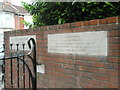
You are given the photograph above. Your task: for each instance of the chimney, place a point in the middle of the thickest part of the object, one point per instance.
(7, 1)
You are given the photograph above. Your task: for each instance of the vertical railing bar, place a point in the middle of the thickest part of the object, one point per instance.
(18, 63)
(35, 69)
(24, 65)
(4, 65)
(34, 63)
(34, 81)
(29, 80)
(11, 65)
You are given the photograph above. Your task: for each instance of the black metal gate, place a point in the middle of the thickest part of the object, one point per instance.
(23, 66)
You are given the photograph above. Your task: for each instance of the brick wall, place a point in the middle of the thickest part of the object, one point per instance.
(18, 22)
(76, 71)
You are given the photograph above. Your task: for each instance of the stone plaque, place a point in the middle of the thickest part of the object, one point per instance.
(82, 43)
(21, 40)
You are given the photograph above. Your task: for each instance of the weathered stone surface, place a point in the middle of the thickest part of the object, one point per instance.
(21, 40)
(83, 43)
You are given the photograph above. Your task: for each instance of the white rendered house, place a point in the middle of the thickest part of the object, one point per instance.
(11, 17)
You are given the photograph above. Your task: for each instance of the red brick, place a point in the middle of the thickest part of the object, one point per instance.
(90, 58)
(93, 82)
(42, 49)
(44, 28)
(67, 66)
(67, 31)
(45, 32)
(45, 41)
(112, 72)
(80, 85)
(59, 74)
(68, 85)
(81, 79)
(50, 32)
(102, 21)
(79, 29)
(114, 33)
(72, 25)
(54, 64)
(95, 64)
(102, 77)
(83, 74)
(112, 20)
(114, 66)
(114, 80)
(113, 59)
(102, 84)
(58, 60)
(18, 24)
(81, 62)
(86, 23)
(62, 68)
(114, 53)
(114, 40)
(118, 19)
(94, 22)
(79, 24)
(114, 46)
(53, 27)
(63, 26)
(98, 64)
(102, 71)
(110, 85)
(95, 70)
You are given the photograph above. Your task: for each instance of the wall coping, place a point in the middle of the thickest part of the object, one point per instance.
(94, 22)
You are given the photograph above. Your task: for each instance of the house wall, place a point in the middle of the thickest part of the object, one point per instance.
(18, 22)
(6, 24)
(75, 70)
(6, 20)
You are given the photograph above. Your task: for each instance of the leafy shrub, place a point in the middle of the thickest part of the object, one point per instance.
(51, 13)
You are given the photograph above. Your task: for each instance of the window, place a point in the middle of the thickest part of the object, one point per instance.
(6, 20)
(1, 19)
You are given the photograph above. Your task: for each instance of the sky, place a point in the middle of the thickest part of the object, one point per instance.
(18, 2)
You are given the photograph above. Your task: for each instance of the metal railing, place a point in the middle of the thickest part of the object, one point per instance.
(22, 57)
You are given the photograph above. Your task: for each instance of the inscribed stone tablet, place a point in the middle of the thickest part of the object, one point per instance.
(21, 40)
(83, 43)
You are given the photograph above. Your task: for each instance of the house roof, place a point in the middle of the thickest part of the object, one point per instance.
(12, 8)
(21, 9)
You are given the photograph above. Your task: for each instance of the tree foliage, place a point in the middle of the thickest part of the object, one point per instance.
(51, 13)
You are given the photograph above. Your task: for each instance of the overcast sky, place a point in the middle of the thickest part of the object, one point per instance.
(18, 2)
